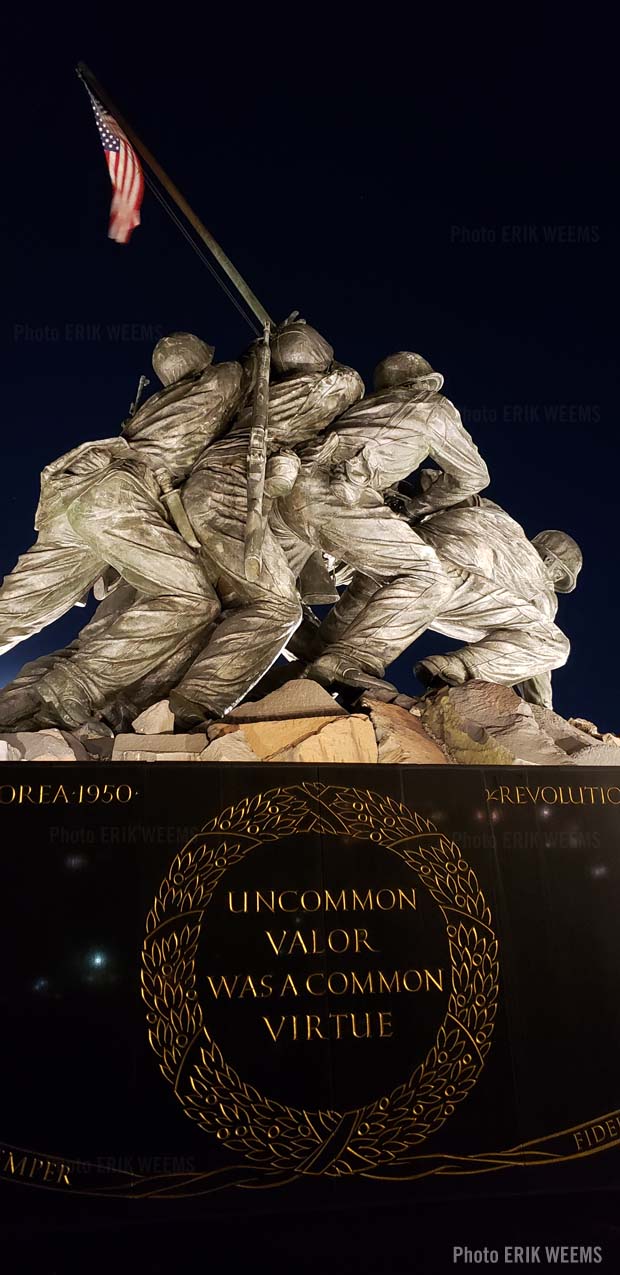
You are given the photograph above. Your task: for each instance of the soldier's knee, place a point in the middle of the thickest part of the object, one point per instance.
(289, 611)
(208, 612)
(199, 596)
(190, 611)
(561, 650)
(94, 506)
(427, 575)
(284, 613)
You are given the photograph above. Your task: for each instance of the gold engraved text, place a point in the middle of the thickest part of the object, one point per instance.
(297, 1027)
(594, 1135)
(320, 983)
(338, 941)
(548, 795)
(19, 1164)
(382, 900)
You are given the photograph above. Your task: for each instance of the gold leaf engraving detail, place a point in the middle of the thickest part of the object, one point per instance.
(273, 1137)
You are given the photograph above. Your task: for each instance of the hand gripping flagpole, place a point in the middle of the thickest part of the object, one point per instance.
(257, 451)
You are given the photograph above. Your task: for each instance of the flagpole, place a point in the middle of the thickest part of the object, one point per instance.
(237, 279)
(257, 460)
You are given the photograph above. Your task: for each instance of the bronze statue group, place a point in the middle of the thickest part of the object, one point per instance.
(154, 522)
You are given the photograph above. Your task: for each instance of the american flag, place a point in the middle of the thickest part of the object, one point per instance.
(125, 174)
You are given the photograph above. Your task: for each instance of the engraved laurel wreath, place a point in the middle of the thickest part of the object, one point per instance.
(275, 1139)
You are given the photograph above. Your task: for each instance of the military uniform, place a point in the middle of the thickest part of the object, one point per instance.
(101, 505)
(247, 642)
(337, 504)
(502, 602)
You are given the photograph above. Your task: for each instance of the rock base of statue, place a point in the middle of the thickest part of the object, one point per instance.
(477, 724)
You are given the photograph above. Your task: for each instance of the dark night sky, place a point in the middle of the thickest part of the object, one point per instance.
(451, 192)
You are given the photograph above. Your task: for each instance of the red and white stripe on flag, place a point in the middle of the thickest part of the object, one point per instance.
(125, 174)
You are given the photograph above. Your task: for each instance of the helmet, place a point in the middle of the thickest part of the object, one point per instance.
(404, 368)
(178, 355)
(296, 347)
(558, 548)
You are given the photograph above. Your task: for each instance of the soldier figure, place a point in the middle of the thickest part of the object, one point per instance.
(503, 600)
(311, 390)
(104, 505)
(465, 568)
(336, 504)
(505, 606)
